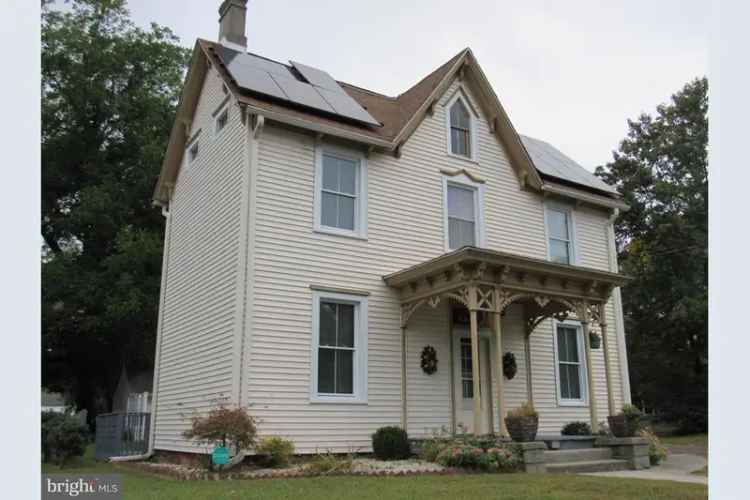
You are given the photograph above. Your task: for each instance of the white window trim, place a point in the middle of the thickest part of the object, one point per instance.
(223, 110)
(583, 373)
(464, 181)
(359, 395)
(570, 212)
(360, 207)
(461, 95)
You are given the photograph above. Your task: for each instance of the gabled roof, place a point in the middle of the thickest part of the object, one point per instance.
(399, 117)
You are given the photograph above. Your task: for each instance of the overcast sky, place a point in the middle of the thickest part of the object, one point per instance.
(570, 72)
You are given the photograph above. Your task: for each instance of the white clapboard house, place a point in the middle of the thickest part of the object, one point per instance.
(320, 236)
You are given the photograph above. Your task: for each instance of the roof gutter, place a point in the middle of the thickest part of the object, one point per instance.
(583, 196)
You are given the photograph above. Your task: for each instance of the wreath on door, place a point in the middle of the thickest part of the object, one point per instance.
(429, 360)
(509, 365)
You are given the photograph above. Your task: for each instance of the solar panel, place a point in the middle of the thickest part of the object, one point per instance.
(273, 79)
(302, 93)
(317, 77)
(346, 106)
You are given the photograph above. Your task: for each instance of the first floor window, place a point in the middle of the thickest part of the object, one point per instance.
(340, 344)
(570, 367)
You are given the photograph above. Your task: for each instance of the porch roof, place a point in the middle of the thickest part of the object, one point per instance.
(499, 279)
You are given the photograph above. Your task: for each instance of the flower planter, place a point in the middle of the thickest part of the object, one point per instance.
(522, 429)
(623, 426)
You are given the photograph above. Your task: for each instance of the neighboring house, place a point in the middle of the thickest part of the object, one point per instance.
(320, 235)
(53, 401)
(133, 393)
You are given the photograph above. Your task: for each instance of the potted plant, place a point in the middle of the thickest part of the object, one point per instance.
(626, 423)
(522, 423)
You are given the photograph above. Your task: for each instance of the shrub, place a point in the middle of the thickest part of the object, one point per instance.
(502, 459)
(576, 429)
(657, 452)
(632, 411)
(328, 463)
(431, 448)
(223, 426)
(63, 437)
(391, 443)
(694, 421)
(525, 410)
(275, 450)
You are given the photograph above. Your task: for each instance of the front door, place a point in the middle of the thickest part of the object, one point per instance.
(464, 382)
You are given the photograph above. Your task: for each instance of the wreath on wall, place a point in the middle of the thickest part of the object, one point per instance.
(509, 365)
(429, 360)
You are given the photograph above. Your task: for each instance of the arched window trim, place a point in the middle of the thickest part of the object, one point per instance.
(460, 95)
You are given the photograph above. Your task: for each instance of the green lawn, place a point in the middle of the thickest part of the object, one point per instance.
(138, 485)
(691, 439)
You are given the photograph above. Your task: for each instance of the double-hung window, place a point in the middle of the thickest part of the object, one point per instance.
(571, 370)
(339, 347)
(560, 235)
(462, 216)
(340, 198)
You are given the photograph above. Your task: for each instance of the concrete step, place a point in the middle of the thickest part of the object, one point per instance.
(588, 466)
(580, 455)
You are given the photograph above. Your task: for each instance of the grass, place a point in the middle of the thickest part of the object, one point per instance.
(691, 439)
(701, 472)
(139, 485)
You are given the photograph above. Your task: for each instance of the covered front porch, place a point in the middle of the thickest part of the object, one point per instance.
(486, 299)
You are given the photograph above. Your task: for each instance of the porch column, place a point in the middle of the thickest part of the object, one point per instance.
(474, 331)
(499, 370)
(403, 377)
(607, 374)
(590, 379)
(527, 357)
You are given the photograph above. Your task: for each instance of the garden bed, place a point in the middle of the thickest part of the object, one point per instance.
(357, 466)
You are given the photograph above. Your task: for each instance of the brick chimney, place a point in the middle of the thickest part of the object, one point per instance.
(232, 14)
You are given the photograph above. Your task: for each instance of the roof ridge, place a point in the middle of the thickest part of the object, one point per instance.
(433, 72)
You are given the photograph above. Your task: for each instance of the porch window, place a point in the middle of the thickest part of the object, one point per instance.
(467, 376)
(570, 366)
(462, 226)
(339, 347)
(340, 201)
(560, 234)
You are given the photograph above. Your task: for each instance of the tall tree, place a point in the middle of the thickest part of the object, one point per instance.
(109, 93)
(661, 171)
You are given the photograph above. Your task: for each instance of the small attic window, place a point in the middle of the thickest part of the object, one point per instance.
(222, 120)
(460, 133)
(193, 152)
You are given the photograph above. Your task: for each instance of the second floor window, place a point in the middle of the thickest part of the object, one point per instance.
(560, 234)
(340, 198)
(460, 123)
(462, 219)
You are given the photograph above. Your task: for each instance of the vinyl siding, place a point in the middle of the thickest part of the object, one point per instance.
(405, 227)
(199, 318)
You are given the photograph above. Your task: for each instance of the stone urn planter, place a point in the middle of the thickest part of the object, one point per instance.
(522, 429)
(624, 425)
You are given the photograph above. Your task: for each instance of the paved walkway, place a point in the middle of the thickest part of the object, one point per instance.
(677, 467)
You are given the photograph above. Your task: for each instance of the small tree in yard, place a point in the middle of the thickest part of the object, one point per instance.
(63, 437)
(224, 426)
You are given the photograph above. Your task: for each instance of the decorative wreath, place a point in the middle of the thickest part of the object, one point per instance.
(509, 365)
(429, 360)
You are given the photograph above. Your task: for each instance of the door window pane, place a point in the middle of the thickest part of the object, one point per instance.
(467, 374)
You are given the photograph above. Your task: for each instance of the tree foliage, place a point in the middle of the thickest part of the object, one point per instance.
(109, 93)
(661, 171)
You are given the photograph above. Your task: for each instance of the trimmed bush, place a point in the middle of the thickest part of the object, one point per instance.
(63, 437)
(501, 459)
(431, 448)
(275, 451)
(223, 426)
(391, 443)
(576, 429)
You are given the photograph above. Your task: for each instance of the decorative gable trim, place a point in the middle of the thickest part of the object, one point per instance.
(462, 171)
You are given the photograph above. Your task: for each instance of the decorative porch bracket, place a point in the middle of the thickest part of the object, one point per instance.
(489, 281)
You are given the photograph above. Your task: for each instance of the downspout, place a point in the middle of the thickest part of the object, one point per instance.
(165, 211)
(622, 352)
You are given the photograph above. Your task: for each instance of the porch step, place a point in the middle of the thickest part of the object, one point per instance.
(579, 455)
(588, 466)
